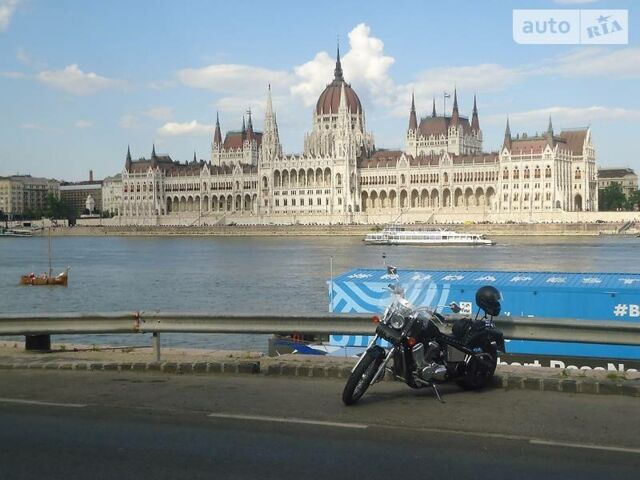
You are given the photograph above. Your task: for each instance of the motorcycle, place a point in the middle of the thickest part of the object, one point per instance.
(421, 354)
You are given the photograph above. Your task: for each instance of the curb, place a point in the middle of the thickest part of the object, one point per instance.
(507, 380)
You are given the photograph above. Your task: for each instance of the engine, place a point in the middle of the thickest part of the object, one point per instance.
(428, 367)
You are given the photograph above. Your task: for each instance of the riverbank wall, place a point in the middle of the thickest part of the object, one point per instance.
(512, 229)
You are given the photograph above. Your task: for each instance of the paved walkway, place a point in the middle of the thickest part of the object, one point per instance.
(196, 361)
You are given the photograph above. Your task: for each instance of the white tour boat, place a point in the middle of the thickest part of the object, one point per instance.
(395, 234)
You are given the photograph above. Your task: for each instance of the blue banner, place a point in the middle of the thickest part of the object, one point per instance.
(588, 296)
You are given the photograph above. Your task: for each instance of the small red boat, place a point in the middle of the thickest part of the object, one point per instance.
(44, 279)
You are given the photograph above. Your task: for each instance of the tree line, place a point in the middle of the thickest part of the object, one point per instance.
(612, 198)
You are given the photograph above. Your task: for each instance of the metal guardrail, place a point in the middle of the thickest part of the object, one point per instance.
(525, 328)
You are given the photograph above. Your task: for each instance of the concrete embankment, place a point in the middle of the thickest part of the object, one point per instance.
(521, 229)
(195, 361)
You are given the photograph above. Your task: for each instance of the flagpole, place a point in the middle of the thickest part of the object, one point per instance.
(444, 104)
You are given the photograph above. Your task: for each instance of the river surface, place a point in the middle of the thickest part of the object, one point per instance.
(253, 274)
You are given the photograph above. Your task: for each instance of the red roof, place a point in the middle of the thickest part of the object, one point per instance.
(574, 140)
(234, 140)
(534, 145)
(329, 100)
(481, 159)
(437, 126)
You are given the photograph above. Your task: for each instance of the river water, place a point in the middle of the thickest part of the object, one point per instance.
(254, 274)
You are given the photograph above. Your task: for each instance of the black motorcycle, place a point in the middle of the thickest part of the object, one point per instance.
(421, 355)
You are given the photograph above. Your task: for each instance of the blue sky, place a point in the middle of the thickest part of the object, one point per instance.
(79, 80)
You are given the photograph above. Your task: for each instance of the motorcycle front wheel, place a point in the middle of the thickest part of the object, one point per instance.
(361, 377)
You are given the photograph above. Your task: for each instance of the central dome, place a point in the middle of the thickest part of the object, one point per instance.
(329, 100)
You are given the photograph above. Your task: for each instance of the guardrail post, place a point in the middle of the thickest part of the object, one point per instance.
(37, 343)
(156, 345)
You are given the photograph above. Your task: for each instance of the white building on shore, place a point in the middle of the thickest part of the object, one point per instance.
(342, 178)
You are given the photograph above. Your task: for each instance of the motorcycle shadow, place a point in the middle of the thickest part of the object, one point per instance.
(446, 390)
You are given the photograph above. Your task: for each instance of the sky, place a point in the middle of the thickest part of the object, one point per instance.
(80, 81)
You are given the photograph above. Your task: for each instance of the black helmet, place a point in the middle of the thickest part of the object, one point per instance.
(488, 299)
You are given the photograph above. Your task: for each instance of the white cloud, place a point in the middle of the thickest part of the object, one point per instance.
(187, 129)
(160, 113)
(73, 80)
(7, 9)
(366, 62)
(161, 84)
(591, 62)
(233, 108)
(364, 65)
(227, 78)
(567, 116)
(313, 77)
(13, 75)
(129, 122)
(38, 127)
(83, 124)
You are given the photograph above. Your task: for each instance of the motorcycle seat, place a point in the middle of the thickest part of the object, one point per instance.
(460, 327)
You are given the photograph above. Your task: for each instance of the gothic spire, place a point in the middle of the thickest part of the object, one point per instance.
(244, 128)
(154, 157)
(550, 127)
(217, 135)
(507, 136)
(249, 125)
(413, 121)
(433, 112)
(475, 123)
(270, 141)
(455, 116)
(337, 72)
(269, 110)
(127, 162)
(194, 157)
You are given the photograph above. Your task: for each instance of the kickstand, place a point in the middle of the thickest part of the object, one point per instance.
(435, 389)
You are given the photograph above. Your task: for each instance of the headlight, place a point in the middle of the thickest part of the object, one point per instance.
(396, 321)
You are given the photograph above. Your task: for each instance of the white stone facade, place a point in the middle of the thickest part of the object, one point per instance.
(341, 178)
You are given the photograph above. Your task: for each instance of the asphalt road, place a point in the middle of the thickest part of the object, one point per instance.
(108, 425)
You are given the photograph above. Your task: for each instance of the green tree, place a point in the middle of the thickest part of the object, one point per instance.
(611, 198)
(55, 207)
(633, 201)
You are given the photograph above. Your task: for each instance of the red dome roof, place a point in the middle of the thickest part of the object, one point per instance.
(329, 100)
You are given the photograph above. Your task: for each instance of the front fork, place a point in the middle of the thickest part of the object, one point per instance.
(383, 365)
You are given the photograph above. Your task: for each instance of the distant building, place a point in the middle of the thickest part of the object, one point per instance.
(112, 194)
(21, 194)
(74, 194)
(625, 176)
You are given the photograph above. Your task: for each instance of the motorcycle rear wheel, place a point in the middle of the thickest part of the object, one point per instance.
(361, 377)
(479, 375)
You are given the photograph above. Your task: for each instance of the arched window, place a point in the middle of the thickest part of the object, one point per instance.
(526, 172)
(547, 172)
(578, 175)
(536, 173)
(505, 174)
(516, 174)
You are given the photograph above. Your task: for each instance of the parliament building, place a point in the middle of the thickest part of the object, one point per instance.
(342, 177)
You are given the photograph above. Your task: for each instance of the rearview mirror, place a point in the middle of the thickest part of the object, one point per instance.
(455, 308)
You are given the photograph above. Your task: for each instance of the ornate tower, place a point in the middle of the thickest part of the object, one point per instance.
(271, 147)
(216, 145)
